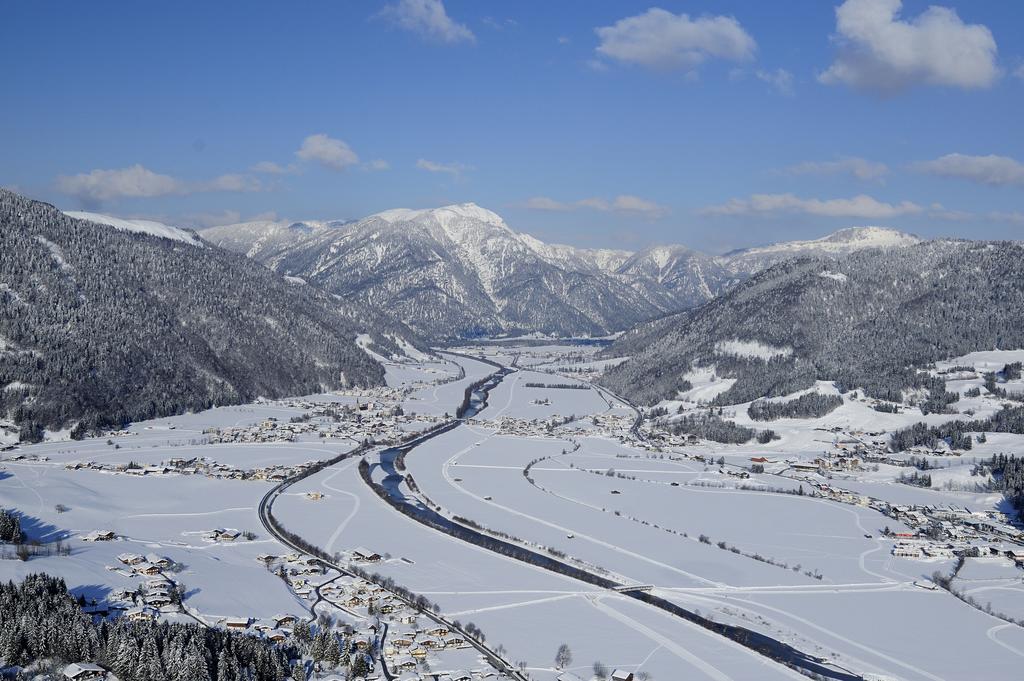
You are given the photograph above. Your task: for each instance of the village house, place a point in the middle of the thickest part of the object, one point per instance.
(906, 550)
(130, 558)
(141, 614)
(365, 554)
(284, 620)
(147, 569)
(80, 671)
(100, 535)
(159, 561)
(223, 534)
(237, 622)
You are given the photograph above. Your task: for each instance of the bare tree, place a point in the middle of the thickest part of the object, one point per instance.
(563, 658)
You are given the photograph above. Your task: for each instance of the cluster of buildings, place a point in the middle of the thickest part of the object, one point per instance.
(412, 642)
(125, 468)
(268, 430)
(369, 420)
(956, 523)
(155, 596)
(193, 466)
(611, 425)
(827, 491)
(654, 438)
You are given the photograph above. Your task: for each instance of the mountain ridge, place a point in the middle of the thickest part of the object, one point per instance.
(867, 322)
(461, 271)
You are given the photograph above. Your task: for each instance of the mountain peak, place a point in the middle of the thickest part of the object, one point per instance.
(871, 236)
(443, 214)
(842, 241)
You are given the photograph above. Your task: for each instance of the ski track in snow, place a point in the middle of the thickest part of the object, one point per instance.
(679, 651)
(991, 633)
(355, 508)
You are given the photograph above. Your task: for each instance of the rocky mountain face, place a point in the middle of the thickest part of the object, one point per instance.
(104, 321)
(866, 321)
(460, 271)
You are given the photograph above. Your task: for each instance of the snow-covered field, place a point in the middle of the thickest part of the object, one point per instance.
(748, 550)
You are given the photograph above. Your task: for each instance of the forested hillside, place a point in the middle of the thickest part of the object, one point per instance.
(865, 321)
(102, 326)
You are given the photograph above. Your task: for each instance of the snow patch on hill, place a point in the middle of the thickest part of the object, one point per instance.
(55, 252)
(150, 227)
(752, 349)
(705, 386)
(842, 241)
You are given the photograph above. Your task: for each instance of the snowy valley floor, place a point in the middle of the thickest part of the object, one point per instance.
(555, 468)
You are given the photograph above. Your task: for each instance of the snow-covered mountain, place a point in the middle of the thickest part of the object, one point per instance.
(845, 241)
(261, 237)
(460, 270)
(839, 320)
(104, 320)
(456, 271)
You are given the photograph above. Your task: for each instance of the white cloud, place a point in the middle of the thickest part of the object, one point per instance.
(661, 39)
(623, 203)
(137, 181)
(378, 164)
(1019, 72)
(780, 79)
(453, 169)
(232, 182)
(1006, 217)
(271, 168)
(429, 19)
(225, 217)
(545, 203)
(860, 168)
(499, 24)
(133, 182)
(1014, 217)
(327, 151)
(991, 170)
(564, 40)
(878, 50)
(626, 203)
(860, 206)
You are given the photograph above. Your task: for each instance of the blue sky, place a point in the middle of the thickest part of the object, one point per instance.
(597, 123)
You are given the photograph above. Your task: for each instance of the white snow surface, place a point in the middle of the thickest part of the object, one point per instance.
(844, 240)
(150, 227)
(752, 349)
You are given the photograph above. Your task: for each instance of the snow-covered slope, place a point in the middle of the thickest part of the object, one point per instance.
(845, 241)
(104, 325)
(263, 238)
(837, 319)
(150, 227)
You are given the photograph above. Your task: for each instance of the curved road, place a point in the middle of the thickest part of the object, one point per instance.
(269, 524)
